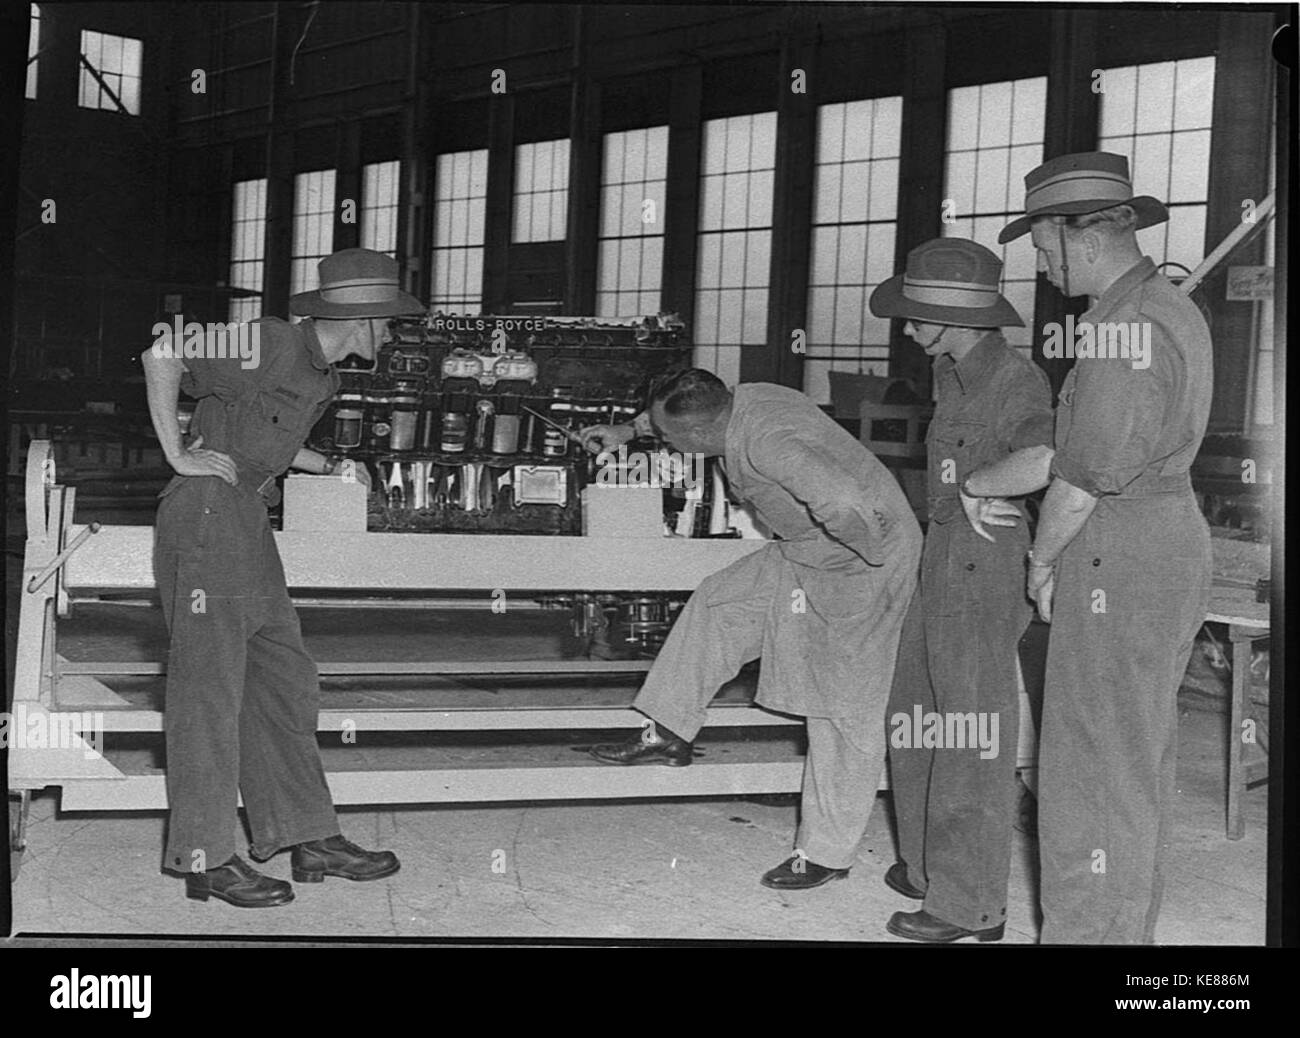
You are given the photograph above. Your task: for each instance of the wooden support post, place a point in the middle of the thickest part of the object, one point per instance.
(682, 193)
(920, 175)
(796, 133)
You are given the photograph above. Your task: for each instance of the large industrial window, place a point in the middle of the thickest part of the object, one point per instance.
(541, 191)
(855, 209)
(631, 251)
(116, 59)
(313, 227)
(379, 181)
(33, 46)
(459, 208)
(248, 226)
(1159, 115)
(995, 137)
(735, 240)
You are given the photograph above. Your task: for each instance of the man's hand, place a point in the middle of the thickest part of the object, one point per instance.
(1040, 586)
(197, 462)
(601, 438)
(988, 511)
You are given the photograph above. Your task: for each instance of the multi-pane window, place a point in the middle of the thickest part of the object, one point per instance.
(33, 47)
(248, 225)
(379, 182)
(541, 191)
(735, 240)
(855, 206)
(995, 137)
(459, 208)
(631, 250)
(116, 59)
(1159, 115)
(313, 227)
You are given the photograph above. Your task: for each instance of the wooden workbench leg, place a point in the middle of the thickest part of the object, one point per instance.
(1236, 772)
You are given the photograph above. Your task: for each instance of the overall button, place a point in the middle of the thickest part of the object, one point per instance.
(961, 443)
(970, 565)
(1096, 562)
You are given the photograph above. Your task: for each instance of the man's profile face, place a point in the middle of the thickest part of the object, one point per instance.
(681, 433)
(1047, 240)
(925, 335)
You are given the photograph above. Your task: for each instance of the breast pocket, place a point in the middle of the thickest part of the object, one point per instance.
(273, 425)
(956, 450)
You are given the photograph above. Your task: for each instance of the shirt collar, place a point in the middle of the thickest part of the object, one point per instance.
(314, 350)
(739, 398)
(1121, 287)
(976, 366)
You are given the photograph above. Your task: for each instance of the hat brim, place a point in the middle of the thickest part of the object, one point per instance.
(888, 301)
(1150, 211)
(310, 304)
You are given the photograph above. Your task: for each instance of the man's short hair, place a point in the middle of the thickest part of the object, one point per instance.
(1113, 221)
(693, 391)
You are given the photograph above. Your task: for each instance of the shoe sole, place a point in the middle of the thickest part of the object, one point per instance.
(803, 886)
(205, 894)
(982, 936)
(667, 762)
(314, 876)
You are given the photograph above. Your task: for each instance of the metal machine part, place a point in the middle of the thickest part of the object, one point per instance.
(449, 391)
(540, 485)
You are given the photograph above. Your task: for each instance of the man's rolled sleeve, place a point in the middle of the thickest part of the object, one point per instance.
(223, 377)
(1116, 419)
(1025, 416)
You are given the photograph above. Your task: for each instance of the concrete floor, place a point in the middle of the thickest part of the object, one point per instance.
(683, 869)
(670, 869)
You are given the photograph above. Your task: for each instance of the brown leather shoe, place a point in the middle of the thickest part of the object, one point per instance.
(238, 883)
(312, 862)
(647, 749)
(896, 879)
(798, 873)
(922, 926)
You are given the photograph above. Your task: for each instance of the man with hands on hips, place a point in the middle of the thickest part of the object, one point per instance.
(243, 696)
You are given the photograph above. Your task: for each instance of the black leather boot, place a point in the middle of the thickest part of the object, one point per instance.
(238, 883)
(654, 745)
(896, 879)
(922, 926)
(312, 862)
(798, 873)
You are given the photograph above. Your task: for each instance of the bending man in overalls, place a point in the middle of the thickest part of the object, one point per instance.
(823, 606)
(1121, 560)
(954, 804)
(242, 693)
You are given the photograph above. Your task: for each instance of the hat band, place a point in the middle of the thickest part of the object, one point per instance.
(950, 293)
(360, 290)
(1078, 186)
